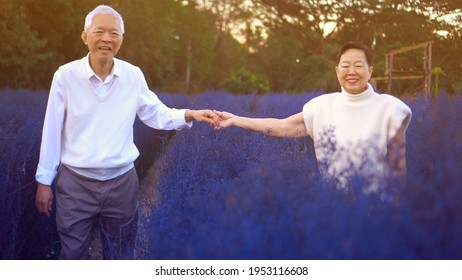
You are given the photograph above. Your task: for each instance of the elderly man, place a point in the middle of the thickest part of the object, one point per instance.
(87, 143)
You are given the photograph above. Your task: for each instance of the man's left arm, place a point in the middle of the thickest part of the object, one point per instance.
(157, 115)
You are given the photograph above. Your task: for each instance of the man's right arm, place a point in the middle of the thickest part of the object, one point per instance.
(50, 149)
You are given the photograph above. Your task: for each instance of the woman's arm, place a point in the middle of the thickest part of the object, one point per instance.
(396, 152)
(291, 127)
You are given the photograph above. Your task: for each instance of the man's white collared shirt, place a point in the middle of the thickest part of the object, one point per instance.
(89, 122)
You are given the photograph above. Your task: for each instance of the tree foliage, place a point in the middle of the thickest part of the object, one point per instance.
(19, 50)
(244, 82)
(194, 45)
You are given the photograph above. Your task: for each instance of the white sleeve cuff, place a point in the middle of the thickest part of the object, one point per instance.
(44, 176)
(180, 118)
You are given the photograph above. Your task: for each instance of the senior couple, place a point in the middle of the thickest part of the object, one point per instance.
(87, 148)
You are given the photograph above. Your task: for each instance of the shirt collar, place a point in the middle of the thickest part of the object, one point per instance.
(90, 73)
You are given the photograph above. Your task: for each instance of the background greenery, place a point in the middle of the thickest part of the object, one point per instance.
(192, 46)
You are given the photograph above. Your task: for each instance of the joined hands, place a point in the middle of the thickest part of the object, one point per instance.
(215, 118)
(226, 119)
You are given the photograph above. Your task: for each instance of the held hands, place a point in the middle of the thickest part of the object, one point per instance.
(207, 116)
(215, 118)
(226, 119)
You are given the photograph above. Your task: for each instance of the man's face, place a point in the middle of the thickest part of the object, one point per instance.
(103, 38)
(353, 71)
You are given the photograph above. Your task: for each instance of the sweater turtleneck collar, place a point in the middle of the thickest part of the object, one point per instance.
(363, 96)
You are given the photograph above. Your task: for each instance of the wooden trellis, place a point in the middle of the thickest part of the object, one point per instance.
(410, 73)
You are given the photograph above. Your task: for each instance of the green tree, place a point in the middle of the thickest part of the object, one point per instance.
(191, 45)
(305, 17)
(58, 23)
(279, 60)
(20, 44)
(150, 41)
(245, 82)
(195, 57)
(229, 54)
(388, 25)
(383, 25)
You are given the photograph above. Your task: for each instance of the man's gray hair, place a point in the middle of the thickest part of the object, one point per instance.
(103, 10)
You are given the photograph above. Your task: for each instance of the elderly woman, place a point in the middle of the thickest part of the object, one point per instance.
(355, 131)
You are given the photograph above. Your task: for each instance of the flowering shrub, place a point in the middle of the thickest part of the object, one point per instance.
(21, 118)
(234, 194)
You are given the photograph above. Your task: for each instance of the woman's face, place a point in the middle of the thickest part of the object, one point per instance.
(353, 71)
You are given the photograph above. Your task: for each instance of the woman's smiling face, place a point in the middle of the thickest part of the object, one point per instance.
(353, 71)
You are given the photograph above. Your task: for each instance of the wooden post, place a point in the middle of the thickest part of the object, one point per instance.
(429, 67)
(426, 74)
(188, 65)
(390, 73)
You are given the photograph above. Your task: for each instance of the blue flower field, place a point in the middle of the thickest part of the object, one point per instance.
(233, 194)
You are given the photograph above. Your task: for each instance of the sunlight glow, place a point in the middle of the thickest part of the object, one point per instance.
(327, 27)
(442, 33)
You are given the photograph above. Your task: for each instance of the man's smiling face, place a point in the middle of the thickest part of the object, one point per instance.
(103, 38)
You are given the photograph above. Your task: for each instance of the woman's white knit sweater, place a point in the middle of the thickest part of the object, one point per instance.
(351, 132)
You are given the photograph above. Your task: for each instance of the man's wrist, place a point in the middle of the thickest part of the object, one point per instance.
(43, 185)
(189, 115)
